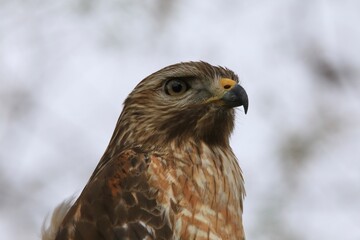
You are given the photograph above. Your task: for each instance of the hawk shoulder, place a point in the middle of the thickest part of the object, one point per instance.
(117, 203)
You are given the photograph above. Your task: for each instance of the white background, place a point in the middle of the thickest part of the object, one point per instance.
(66, 67)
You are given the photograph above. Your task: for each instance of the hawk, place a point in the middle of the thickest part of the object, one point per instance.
(168, 171)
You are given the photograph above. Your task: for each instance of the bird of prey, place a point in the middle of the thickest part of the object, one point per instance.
(168, 171)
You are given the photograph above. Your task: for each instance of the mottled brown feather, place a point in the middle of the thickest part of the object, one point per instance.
(116, 203)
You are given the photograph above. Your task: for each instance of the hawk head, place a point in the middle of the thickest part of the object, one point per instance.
(186, 100)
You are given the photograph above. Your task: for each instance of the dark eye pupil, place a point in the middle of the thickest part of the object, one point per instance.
(176, 87)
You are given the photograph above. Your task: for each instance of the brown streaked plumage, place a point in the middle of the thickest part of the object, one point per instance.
(169, 171)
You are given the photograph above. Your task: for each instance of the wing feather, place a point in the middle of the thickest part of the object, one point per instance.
(117, 203)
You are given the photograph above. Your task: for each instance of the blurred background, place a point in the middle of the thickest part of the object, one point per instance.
(67, 66)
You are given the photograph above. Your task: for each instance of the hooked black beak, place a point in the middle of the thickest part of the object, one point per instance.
(235, 97)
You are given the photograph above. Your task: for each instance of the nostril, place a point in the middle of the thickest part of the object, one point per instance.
(227, 83)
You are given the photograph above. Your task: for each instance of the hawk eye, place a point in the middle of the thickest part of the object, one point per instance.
(176, 87)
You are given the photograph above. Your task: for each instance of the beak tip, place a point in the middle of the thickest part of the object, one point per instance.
(245, 103)
(246, 108)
